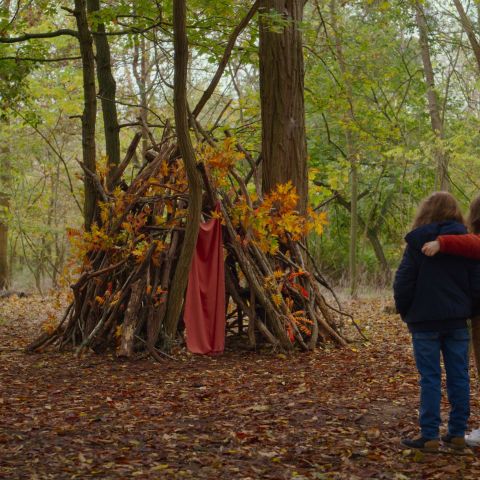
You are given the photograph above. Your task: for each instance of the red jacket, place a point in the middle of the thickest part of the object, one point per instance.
(467, 245)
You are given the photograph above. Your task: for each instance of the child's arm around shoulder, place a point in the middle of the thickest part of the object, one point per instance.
(467, 245)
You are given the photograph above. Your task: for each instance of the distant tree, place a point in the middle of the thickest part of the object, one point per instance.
(442, 180)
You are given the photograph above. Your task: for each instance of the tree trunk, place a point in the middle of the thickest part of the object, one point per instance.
(5, 172)
(139, 65)
(379, 254)
(5, 184)
(284, 146)
(469, 30)
(89, 109)
(107, 90)
(3, 241)
(352, 263)
(351, 153)
(179, 281)
(442, 182)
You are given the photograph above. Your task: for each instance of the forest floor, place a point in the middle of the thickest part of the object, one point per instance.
(331, 414)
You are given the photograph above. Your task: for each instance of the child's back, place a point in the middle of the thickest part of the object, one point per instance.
(435, 293)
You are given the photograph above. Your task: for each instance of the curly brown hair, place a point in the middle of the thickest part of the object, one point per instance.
(474, 215)
(438, 207)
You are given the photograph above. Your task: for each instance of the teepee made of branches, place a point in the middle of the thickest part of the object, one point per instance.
(275, 292)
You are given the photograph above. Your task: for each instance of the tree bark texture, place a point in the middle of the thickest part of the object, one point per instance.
(284, 146)
(107, 91)
(89, 109)
(180, 278)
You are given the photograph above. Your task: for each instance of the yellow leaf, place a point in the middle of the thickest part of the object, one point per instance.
(278, 274)
(277, 299)
(164, 168)
(118, 331)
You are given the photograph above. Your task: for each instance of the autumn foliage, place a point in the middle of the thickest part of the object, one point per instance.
(125, 263)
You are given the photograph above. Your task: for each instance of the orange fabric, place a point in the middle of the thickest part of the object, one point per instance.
(205, 300)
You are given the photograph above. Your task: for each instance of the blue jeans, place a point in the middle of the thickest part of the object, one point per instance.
(454, 347)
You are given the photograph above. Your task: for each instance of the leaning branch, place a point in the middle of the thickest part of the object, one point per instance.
(226, 56)
(34, 36)
(40, 60)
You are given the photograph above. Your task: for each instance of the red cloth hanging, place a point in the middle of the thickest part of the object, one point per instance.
(205, 300)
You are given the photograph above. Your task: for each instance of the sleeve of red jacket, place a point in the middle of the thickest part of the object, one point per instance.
(467, 245)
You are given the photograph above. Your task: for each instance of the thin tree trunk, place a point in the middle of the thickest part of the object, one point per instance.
(469, 30)
(351, 153)
(89, 109)
(284, 146)
(353, 230)
(4, 202)
(179, 281)
(5, 180)
(140, 73)
(107, 91)
(442, 182)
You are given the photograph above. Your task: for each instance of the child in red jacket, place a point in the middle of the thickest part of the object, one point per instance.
(468, 246)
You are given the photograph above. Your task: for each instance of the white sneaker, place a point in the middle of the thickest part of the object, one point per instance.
(473, 438)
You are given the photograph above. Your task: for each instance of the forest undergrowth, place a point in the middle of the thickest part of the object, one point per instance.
(336, 413)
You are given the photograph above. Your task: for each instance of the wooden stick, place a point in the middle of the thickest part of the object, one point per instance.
(123, 165)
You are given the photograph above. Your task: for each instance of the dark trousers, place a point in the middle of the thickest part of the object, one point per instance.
(454, 347)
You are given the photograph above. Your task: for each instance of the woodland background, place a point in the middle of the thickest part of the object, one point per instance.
(370, 104)
(391, 112)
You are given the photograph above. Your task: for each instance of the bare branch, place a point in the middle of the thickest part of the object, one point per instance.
(34, 36)
(40, 60)
(226, 55)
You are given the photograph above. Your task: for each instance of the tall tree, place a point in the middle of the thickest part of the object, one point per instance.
(4, 203)
(141, 67)
(179, 281)
(284, 146)
(5, 183)
(89, 114)
(442, 181)
(349, 120)
(107, 90)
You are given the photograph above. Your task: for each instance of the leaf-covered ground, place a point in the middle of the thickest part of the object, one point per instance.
(332, 414)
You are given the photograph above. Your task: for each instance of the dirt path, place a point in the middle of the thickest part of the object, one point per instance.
(333, 414)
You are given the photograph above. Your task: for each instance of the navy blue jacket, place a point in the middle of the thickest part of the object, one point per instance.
(435, 293)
